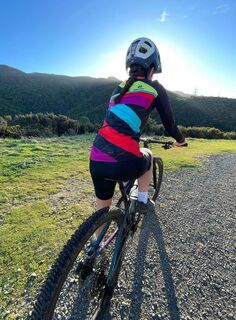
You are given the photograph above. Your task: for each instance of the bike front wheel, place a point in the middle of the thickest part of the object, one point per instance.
(76, 286)
(157, 175)
(155, 184)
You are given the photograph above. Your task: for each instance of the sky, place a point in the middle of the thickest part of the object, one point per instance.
(196, 39)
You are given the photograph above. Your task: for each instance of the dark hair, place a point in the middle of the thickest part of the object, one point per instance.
(135, 71)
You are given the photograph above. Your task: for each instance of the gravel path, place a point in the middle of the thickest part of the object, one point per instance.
(182, 262)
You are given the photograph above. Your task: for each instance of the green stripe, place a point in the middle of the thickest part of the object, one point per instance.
(143, 87)
(140, 86)
(122, 84)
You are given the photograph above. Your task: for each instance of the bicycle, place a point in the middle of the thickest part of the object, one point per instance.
(87, 268)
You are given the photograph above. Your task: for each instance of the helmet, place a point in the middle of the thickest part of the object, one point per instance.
(145, 53)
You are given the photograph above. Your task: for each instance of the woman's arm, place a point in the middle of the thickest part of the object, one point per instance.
(163, 106)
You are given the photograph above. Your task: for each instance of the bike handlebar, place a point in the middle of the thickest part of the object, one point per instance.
(165, 144)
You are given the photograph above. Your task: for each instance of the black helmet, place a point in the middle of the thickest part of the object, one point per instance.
(145, 53)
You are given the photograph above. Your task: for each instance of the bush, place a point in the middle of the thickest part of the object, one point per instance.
(15, 132)
(203, 133)
(39, 125)
(49, 124)
(230, 135)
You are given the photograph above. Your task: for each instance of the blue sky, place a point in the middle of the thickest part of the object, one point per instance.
(196, 39)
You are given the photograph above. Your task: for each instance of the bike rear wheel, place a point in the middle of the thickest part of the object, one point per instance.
(76, 286)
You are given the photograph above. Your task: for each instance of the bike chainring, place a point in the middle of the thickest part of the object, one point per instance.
(99, 277)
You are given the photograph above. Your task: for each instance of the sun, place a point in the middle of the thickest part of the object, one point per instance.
(179, 71)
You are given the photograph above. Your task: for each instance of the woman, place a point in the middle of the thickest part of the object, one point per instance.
(115, 154)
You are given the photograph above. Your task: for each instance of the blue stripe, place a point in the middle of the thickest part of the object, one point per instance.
(126, 114)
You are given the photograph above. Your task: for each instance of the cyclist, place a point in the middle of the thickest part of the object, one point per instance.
(115, 154)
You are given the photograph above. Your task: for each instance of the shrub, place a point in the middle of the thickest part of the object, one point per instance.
(50, 124)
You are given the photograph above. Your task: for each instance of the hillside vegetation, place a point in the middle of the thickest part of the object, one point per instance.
(85, 96)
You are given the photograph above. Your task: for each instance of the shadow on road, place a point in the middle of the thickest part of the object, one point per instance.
(153, 228)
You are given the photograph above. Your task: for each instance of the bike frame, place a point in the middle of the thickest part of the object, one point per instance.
(123, 232)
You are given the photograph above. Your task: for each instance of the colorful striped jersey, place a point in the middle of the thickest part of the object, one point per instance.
(118, 139)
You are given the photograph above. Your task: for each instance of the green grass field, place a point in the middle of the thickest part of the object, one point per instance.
(46, 192)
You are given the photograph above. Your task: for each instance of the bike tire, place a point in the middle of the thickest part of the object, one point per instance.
(157, 176)
(46, 302)
(99, 314)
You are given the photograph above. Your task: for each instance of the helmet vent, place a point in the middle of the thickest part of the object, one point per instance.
(142, 50)
(149, 44)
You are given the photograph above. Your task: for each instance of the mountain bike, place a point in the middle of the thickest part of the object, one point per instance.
(81, 282)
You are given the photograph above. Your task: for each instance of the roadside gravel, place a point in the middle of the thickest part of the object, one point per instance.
(182, 264)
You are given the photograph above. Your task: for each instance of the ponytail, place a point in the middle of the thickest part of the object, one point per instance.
(135, 71)
(128, 84)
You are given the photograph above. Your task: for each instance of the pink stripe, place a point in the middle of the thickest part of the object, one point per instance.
(141, 99)
(119, 139)
(98, 155)
(137, 100)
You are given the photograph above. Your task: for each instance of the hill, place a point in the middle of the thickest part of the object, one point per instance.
(22, 92)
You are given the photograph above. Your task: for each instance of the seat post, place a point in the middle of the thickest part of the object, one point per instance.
(122, 190)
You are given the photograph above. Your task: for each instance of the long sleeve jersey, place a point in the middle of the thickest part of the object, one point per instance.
(118, 138)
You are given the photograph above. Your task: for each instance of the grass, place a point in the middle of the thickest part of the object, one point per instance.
(34, 169)
(32, 230)
(192, 156)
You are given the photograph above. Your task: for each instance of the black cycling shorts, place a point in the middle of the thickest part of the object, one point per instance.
(102, 172)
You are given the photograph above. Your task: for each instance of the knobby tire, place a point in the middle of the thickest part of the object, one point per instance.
(49, 294)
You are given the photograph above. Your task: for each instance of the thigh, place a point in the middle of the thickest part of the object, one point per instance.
(104, 189)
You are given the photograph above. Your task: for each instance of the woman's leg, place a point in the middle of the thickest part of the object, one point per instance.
(104, 188)
(103, 203)
(100, 205)
(145, 179)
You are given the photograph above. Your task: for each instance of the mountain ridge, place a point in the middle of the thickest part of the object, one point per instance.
(78, 96)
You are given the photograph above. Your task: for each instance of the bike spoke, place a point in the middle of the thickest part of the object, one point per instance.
(82, 291)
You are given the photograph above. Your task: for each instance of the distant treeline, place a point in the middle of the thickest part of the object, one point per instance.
(42, 125)
(193, 132)
(50, 124)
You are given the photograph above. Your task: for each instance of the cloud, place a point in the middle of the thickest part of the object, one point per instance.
(164, 16)
(222, 7)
